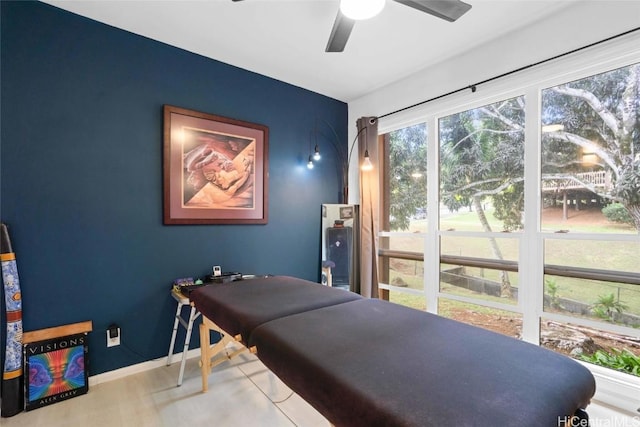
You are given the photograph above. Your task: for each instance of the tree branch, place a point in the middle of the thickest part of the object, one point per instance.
(628, 108)
(602, 111)
(495, 114)
(589, 146)
(496, 190)
(500, 188)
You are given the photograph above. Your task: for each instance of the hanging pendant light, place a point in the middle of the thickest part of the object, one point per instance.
(310, 163)
(366, 163)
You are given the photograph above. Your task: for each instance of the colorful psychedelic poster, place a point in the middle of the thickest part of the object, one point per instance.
(55, 370)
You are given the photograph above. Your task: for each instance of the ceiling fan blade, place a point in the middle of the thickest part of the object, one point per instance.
(340, 32)
(449, 10)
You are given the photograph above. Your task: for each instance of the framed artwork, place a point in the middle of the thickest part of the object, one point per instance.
(346, 212)
(56, 370)
(55, 361)
(215, 169)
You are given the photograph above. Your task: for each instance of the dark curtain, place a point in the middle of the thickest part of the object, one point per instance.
(369, 207)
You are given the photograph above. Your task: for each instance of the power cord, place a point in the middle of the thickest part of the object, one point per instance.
(275, 402)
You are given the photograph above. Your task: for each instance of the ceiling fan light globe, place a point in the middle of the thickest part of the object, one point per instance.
(361, 9)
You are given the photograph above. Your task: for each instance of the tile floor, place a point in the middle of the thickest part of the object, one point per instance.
(242, 393)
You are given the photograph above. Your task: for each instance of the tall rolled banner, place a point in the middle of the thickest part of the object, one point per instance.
(12, 379)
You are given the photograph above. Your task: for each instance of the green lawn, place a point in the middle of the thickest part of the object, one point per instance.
(624, 256)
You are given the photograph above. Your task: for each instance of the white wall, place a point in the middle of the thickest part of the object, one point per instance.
(579, 25)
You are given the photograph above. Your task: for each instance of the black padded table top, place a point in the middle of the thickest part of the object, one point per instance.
(374, 363)
(238, 307)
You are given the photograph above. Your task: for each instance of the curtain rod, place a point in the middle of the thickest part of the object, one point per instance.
(517, 70)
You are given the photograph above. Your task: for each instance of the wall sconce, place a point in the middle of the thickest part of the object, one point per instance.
(344, 162)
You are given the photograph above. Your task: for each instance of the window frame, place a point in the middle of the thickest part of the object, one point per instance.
(528, 83)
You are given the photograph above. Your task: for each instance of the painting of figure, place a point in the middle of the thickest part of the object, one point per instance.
(218, 170)
(215, 169)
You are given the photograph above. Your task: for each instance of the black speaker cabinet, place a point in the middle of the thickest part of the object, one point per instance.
(339, 241)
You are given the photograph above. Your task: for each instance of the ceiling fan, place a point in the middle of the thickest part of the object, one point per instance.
(449, 10)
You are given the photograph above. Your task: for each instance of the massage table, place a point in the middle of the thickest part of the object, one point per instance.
(367, 362)
(234, 309)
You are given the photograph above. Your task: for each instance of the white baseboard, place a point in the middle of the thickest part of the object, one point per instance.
(140, 367)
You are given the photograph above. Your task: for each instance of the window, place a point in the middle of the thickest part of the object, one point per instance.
(591, 154)
(405, 214)
(481, 195)
(484, 268)
(534, 232)
(482, 168)
(590, 191)
(406, 192)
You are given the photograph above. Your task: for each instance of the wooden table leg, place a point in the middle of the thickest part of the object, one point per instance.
(208, 351)
(205, 360)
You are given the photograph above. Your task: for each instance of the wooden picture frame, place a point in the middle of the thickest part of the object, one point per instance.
(215, 169)
(346, 212)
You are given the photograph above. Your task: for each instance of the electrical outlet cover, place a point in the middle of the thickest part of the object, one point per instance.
(112, 342)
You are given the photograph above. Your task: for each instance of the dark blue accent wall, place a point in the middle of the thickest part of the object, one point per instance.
(81, 176)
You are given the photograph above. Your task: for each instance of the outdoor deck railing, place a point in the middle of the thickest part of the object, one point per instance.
(600, 180)
(507, 265)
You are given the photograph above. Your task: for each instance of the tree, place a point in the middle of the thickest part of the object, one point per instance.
(407, 175)
(599, 115)
(482, 151)
(482, 157)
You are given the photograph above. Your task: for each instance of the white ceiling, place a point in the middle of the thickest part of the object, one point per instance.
(285, 39)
